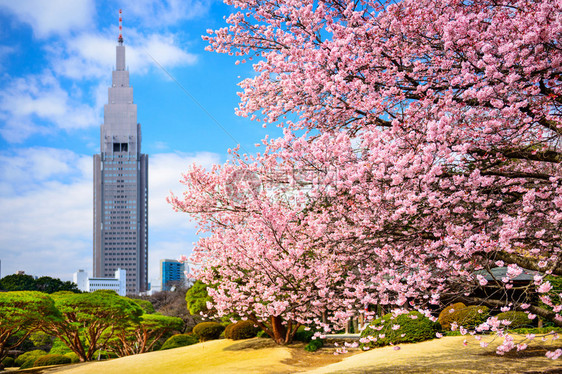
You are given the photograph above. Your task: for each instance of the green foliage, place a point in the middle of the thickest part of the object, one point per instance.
(88, 319)
(262, 334)
(314, 345)
(208, 330)
(444, 318)
(21, 359)
(47, 360)
(413, 327)
(40, 339)
(146, 305)
(241, 330)
(8, 362)
(197, 297)
(470, 316)
(52, 285)
(22, 312)
(103, 355)
(24, 282)
(17, 282)
(180, 340)
(518, 319)
(303, 335)
(59, 348)
(28, 363)
(73, 357)
(537, 330)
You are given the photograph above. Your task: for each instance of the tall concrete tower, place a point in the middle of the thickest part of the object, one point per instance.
(121, 186)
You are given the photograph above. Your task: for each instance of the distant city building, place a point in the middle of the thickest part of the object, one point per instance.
(121, 187)
(117, 284)
(172, 273)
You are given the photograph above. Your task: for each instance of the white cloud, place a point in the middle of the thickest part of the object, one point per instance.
(53, 16)
(46, 200)
(92, 56)
(158, 13)
(164, 173)
(36, 104)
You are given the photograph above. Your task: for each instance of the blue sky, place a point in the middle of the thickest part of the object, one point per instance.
(56, 59)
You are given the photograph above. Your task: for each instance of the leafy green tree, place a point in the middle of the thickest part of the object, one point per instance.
(18, 282)
(21, 313)
(90, 320)
(140, 337)
(197, 298)
(52, 285)
(146, 305)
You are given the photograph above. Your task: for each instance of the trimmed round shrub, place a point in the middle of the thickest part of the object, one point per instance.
(241, 330)
(444, 318)
(8, 362)
(314, 345)
(406, 328)
(227, 328)
(180, 340)
(518, 319)
(470, 316)
(208, 330)
(27, 356)
(73, 357)
(303, 335)
(47, 360)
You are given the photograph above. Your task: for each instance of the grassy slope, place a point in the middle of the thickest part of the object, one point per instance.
(447, 355)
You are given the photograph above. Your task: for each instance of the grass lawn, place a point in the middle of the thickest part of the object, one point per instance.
(446, 355)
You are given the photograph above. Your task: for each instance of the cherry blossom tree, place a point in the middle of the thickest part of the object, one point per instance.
(421, 150)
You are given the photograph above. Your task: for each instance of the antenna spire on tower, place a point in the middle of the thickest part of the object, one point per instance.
(120, 39)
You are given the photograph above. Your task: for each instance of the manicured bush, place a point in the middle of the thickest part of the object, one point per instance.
(59, 348)
(314, 345)
(303, 335)
(73, 357)
(406, 328)
(8, 362)
(241, 330)
(179, 340)
(470, 316)
(518, 319)
(208, 330)
(445, 315)
(226, 332)
(47, 360)
(27, 355)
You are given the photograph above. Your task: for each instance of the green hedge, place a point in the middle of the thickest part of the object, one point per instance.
(413, 327)
(28, 355)
(8, 362)
(470, 316)
(314, 345)
(446, 315)
(47, 360)
(208, 330)
(518, 319)
(179, 340)
(303, 335)
(241, 330)
(73, 357)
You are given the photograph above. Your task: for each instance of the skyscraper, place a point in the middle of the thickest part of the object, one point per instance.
(121, 186)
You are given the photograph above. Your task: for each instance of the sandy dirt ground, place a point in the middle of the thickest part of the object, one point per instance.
(446, 355)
